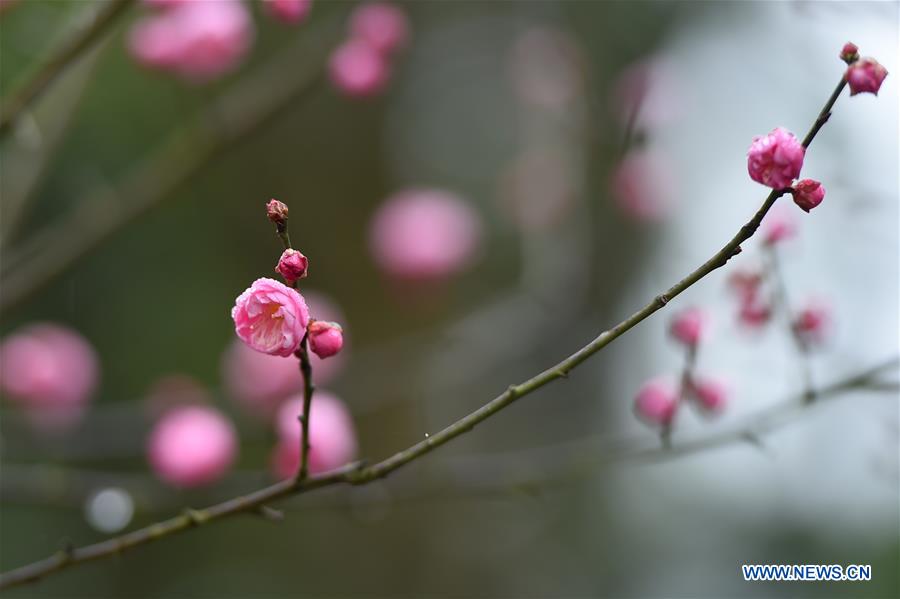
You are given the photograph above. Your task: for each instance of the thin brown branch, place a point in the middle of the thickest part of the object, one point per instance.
(358, 475)
(91, 29)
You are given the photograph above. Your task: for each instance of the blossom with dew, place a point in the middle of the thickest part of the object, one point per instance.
(711, 394)
(325, 338)
(191, 446)
(288, 11)
(849, 53)
(689, 326)
(865, 76)
(382, 25)
(808, 193)
(49, 370)
(643, 185)
(270, 317)
(656, 402)
(424, 235)
(198, 41)
(775, 159)
(811, 323)
(357, 69)
(332, 437)
(292, 265)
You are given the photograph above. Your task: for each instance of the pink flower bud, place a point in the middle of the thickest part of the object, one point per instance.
(271, 317)
(808, 194)
(777, 226)
(51, 371)
(424, 235)
(382, 25)
(358, 69)
(656, 402)
(711, 394)
(775, 159)
(276, 211)
(332, 438)
(288, 11)
(849, 53)
(812, 322)
(292, 266)
(688, 326)
(325, 338)
(642, 186)
(745, 283)
(865, 76)
(199, 41)
(191, 446)
(754, 313)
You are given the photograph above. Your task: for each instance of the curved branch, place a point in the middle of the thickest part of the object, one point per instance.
(60, 57)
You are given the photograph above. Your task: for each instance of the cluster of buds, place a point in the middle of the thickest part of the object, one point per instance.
(657, 401)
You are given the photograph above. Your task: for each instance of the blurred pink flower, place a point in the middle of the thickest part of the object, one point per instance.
(754, 313)
(332, 437)
(745, 283)
(775, 159)
(191, 446)
(865, 76)
(270, 317)
(778, 225)
(643, 185)
(292, 266)
(382, 25)
(424, 235)
(808, 194)
(50, 370)
(656, 402)
(357, 69)
(711, 393)
(646, 94)
(812, 322)
(288, 11)
(689, 326)
(325, 338)
(198, 41)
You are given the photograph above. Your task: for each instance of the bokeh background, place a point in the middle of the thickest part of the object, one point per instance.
(521, 109)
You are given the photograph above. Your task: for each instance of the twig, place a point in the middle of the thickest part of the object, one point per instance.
(358, 475)
(94, 27)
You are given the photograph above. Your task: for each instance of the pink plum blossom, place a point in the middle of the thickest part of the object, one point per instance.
(656, 402)
(332, 437)
(424, 235)
(288, 11)
(745, 283)
(191, 446)
(775, 159)
(292, 266)
(325, 338)
(270, 317)
(865, 76)
(643, 185)
(754, 313)
(812, 321)
(689, 326)
(50, 370)
(382, 25)
(808, 194)
(711, 394)
(357, 69)
(199, 41)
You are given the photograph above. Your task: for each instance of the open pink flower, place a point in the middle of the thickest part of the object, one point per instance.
(424, 234)
(198, 41)
(325, 338)
(380, 24)
(191, 446)
(288, 11)
(775, 159)
(689, 326)
(271, 317)
(50, 370)
(808, 194)
(865, 76)
(332, 437)
(357, 69)
(656, 402)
